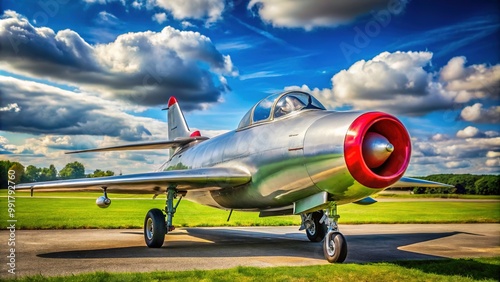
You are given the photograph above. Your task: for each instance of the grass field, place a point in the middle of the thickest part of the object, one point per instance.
(480, 269)
(48, 213)
(441, 196)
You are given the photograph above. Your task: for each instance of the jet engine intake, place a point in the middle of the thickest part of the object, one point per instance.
(377, 149)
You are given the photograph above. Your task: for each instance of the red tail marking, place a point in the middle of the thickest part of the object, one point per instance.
(195, 134)
(171, 101)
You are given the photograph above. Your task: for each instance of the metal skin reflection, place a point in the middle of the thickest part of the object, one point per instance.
(289, 159)
(289, 155)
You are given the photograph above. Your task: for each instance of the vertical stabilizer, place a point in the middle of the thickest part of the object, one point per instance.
(177, 126)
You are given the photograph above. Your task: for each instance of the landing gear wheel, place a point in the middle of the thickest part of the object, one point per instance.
(335, 247)
(316, 231)
(154, 228)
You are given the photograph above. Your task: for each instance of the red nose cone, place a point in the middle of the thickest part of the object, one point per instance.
(377, 149)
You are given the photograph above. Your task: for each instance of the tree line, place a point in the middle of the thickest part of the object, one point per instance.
(471, 184)
(32, 173)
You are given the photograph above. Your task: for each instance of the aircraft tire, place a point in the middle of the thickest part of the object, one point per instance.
(317, 232)
(335, 247)
(154, 228)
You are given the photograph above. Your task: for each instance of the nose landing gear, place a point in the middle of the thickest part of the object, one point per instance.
(321, 225)
(334, 244)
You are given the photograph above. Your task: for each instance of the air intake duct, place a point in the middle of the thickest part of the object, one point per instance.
(377, 149)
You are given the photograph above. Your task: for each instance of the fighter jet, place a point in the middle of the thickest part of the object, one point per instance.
(288, 156)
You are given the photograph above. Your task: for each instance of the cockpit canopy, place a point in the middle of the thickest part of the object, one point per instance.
(279, 105)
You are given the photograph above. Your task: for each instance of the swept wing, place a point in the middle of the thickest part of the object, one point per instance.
(414, 182)
(179, 142)
(212, 178)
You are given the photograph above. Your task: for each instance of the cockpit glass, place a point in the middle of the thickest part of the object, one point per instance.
(245, 121)
(288, 103)
(294, 102)
(263, 109)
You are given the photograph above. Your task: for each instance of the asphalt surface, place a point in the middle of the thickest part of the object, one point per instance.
(63, 252)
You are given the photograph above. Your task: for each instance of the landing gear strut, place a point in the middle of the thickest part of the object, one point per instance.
(334, 244)
(156, 226)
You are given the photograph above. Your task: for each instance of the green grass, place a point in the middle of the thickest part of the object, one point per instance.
(440, 196)
(480, 269)
(49, 213)
(421, 212)
(68, 213)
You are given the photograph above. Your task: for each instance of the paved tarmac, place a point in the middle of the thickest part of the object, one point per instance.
(63, 252)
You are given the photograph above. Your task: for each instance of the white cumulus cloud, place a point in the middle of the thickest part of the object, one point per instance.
(439, 137)
(492, 154)
(11, 107)
(186, 24)
(475, 81)
(457, 164)
(493, 162)
(476, 113)
(460, 155)
(160, 18)
(211, 10)
(319, 13)
(140, 68)
(48, 109)
(397, 82)
(469, 132)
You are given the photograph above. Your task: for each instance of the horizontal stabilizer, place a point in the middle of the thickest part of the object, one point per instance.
(149, 183)
(405, 182)
(366, 201)
(179, 142)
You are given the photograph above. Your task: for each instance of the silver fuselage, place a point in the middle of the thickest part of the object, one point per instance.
(289, 159)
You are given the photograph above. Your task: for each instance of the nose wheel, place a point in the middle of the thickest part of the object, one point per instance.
(334, 247)
(334, 243)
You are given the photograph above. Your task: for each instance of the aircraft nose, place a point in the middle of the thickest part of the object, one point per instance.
(376, 149)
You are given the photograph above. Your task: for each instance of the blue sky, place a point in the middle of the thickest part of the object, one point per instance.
(88, 73)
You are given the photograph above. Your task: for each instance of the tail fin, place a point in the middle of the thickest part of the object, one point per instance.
(177, 126)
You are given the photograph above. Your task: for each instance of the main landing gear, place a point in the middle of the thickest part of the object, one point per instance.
(315, 230)
(156, 226)
(323, 225)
